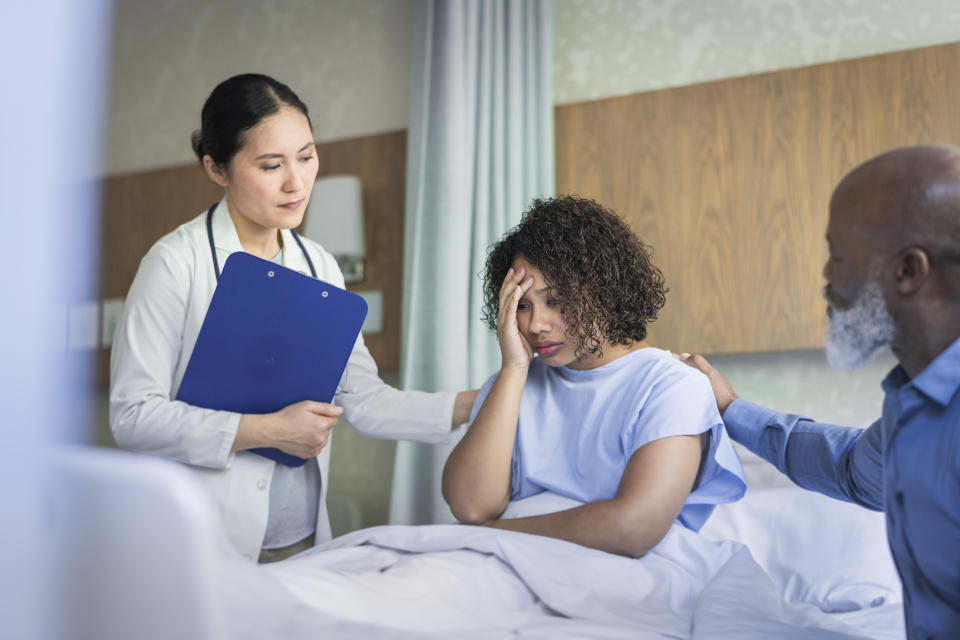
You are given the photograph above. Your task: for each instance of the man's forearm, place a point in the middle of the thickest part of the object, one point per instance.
(842, 462)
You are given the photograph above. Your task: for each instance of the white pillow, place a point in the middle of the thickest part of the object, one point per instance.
(817, 550)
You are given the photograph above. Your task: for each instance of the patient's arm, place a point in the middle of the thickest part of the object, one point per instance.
(476, 477)
(652, 491)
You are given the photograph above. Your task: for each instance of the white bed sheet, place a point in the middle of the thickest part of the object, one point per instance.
(473, 582)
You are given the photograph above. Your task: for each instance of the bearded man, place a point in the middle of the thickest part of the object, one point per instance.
(893, 280)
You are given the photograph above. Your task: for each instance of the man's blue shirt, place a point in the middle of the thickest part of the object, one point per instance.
(907, 464)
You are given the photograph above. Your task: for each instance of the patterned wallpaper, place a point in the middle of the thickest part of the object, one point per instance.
(605, 48)
(347, 59)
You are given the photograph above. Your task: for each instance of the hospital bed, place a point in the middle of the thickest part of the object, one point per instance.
(142, 556)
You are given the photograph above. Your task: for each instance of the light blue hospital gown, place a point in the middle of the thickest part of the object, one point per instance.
(577, 429)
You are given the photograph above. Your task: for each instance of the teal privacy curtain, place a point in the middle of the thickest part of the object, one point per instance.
(479, 150)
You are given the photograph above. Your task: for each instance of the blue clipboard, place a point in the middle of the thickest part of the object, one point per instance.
(271, 337)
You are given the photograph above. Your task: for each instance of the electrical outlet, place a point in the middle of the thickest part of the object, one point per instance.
(373, 323)
(112, 309)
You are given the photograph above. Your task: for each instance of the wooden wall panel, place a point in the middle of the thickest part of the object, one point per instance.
(140, 208)
(730, 181)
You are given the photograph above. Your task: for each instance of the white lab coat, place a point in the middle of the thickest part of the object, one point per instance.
(155, 337)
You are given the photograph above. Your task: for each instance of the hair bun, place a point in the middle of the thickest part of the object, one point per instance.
(196, 141)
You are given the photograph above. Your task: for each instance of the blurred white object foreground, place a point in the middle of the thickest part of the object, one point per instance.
(139, 552)
(135, 548)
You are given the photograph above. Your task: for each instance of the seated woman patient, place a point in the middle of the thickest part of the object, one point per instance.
(582, 406)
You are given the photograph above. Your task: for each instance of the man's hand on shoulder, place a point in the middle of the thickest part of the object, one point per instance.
(722, 390)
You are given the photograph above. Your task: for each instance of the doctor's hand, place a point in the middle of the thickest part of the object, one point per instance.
(515, 351)
(301, 429)
(722, 389)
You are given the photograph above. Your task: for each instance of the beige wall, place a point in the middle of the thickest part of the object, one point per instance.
(347, 59)
(616, 47)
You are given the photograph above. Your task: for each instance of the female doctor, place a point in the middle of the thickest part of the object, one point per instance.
(256, 141)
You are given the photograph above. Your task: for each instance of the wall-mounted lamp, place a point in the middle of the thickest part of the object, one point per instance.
(335, 220)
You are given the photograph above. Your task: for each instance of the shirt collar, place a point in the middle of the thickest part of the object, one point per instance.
(939, 381)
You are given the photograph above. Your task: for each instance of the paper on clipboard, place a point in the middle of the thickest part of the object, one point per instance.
(271, 337)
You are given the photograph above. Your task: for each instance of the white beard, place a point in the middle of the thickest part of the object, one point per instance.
(858, 333)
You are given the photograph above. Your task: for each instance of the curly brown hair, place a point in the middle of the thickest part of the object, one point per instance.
(599, 269)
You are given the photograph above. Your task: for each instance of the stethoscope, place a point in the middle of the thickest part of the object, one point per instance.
(213, 247)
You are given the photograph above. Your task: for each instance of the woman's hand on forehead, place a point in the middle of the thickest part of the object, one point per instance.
(515, 351)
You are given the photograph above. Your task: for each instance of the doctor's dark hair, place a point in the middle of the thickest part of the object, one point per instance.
(600, 271)
(235, 106)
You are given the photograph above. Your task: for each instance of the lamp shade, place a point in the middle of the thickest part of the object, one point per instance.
(335, 215)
